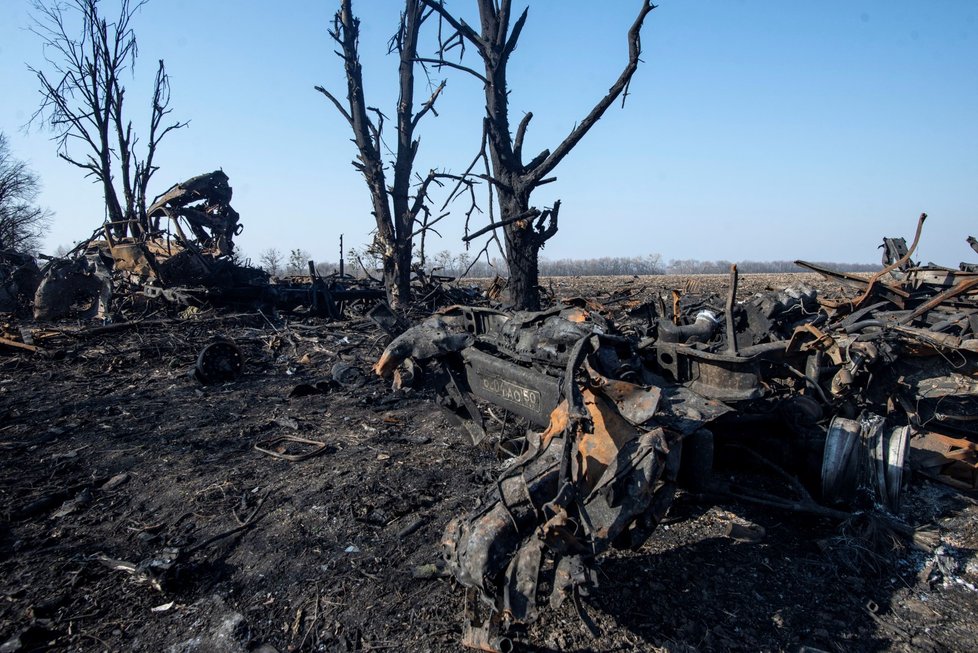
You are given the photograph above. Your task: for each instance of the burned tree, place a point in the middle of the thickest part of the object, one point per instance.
(395, 209)
(22, 222)
(526, 228)
(84, 103)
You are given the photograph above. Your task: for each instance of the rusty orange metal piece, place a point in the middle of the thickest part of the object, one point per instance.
(892, 266)
(953, 461)
(609, 434)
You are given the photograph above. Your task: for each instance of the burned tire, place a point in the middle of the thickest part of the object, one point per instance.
(218, 362)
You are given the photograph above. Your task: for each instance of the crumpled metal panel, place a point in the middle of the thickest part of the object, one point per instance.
(601, 474)
(953, 461)
(204, 202)
(523, 391)
(434, 337)
(846, 382)
(79, 287)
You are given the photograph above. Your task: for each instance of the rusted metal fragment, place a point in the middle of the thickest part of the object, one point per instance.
(897, 296)
(895, 249)
(482, 625)
(520, 596)
(637, 403)
(895, 265)
(456, 397)
(628, 500)
(959, 288)
(950, 460)
(598, 446)
(138, 259)
(205, 203)
(624, 406)
(931, 277)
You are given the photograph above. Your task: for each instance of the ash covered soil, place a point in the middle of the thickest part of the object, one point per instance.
(113, 458)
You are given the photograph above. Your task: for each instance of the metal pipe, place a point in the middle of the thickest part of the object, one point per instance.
(701, 330)
(731, 302)
(865, 324)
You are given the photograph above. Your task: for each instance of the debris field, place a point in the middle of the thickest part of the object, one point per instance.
(197, 457)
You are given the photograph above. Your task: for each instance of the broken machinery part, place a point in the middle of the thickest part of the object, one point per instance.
(219, 362)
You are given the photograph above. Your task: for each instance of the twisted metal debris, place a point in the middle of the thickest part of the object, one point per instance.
(832, 391)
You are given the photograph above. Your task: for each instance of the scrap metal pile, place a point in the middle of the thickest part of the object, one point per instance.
(828, 393)
(183, 255)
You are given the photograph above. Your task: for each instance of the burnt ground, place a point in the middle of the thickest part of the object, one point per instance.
(113, 453)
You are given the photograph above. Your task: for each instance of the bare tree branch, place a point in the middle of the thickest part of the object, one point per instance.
(572, 139)
(429, 105)
(336, 103)
(22, 222)
(86, 105)
(438, 63)
(521, 134)
(515, 36)
(395, 209)
(526, 215)
(458, 25)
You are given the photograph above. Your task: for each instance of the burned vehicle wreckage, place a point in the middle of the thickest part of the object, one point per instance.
(817, 402)
(184, 256)
(833, 396)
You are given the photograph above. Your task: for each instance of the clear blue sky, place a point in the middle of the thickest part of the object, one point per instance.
(754, 130)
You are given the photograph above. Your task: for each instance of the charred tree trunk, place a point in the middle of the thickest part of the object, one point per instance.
(522, 244)
(526, 228)
(395, 209)
(406, 42)
(83, 102)
(522, 257)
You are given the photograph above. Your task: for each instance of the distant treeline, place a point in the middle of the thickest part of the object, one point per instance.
(634, 265)
(691, 266)
(450, 264)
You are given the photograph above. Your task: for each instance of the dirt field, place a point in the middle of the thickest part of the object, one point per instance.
(113, 458)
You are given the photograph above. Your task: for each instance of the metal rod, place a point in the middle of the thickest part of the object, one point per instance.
(731, 302)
